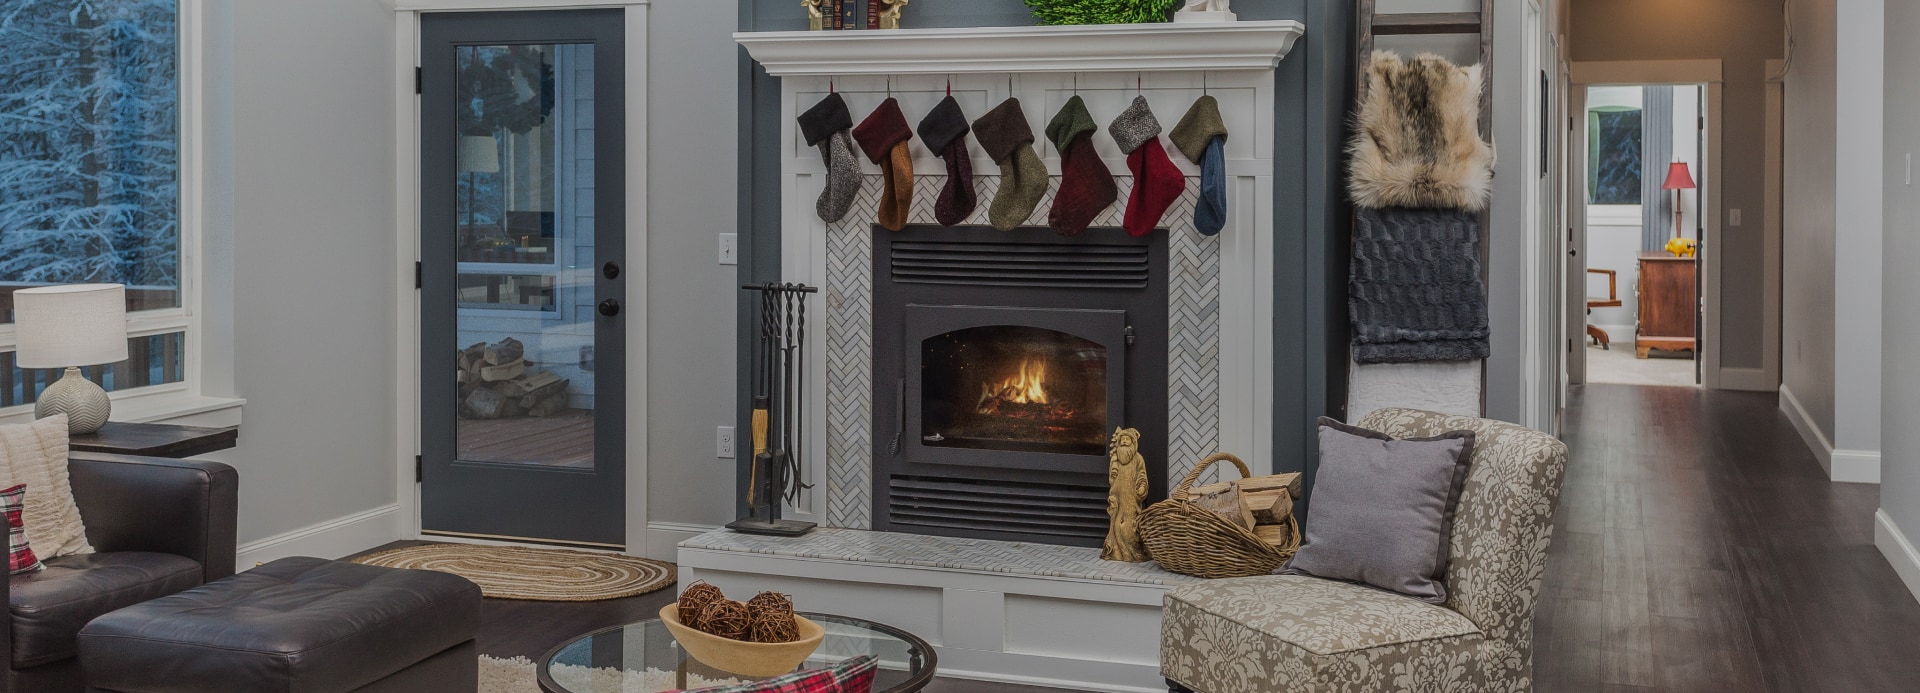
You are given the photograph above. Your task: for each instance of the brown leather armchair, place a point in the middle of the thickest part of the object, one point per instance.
(158, 526)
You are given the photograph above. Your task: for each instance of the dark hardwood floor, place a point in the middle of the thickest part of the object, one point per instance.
(1698, 548)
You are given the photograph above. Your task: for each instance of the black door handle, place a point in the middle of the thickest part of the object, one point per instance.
(611, 270)
(610, 307)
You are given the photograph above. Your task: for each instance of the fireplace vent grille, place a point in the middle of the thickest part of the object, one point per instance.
(1075, 515)
(1079, 265)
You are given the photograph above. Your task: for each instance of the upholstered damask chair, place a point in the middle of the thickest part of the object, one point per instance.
(1297, 633)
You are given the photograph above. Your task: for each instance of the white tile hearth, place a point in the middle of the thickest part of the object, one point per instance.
(945, 553)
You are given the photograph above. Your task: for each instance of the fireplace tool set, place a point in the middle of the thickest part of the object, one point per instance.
(779, 396)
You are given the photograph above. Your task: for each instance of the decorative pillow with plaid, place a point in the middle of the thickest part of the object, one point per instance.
(20, 558)
(849, 676)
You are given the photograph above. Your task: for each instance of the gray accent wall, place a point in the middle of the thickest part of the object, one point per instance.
(1900, 393)
(1313, 85)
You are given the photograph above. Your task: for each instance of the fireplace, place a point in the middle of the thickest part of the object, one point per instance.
(1003, 362)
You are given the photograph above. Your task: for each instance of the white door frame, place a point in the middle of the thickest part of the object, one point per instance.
(407, 380)
(1672, 72)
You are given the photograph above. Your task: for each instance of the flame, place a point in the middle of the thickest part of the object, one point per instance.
(1025, 387)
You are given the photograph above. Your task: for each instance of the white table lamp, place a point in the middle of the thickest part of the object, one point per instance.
(67, 327)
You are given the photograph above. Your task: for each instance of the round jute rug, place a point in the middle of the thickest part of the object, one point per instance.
(548, 575)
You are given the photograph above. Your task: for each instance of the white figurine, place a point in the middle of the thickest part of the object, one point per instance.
(1205, 11)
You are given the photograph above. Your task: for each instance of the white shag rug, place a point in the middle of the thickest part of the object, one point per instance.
(516, 675)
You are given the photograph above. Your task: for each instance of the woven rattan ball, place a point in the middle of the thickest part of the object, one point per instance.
(725, 618)
(695, 600)
(770, 618)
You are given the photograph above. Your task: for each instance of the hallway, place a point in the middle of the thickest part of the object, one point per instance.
(1699, 547)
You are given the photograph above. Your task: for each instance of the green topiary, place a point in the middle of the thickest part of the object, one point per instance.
(1067, 12)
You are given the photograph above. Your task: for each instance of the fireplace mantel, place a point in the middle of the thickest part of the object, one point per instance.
(1222, 46)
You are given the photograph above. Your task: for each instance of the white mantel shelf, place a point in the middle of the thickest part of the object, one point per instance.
(1101, 48)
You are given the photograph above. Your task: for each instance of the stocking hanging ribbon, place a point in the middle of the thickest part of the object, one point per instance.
(884, 136)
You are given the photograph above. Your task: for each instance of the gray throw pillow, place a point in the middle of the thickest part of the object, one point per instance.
(1382, 510)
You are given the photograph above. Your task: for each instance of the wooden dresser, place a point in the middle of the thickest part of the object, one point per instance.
(1667, 303)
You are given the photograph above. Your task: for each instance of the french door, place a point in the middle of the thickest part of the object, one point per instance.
(522, 245)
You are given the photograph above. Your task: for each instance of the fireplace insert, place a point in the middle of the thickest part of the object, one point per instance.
(1003, 362)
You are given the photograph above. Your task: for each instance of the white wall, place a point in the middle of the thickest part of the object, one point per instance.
(1899, 517)
(1860, 66)
(1831, 274)
(692, 110)
(301, 168)
(1807, 234)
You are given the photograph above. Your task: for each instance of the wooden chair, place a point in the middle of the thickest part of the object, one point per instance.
(1600, 336)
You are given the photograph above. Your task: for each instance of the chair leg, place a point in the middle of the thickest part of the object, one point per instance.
(1600, 337)
(1175, 687)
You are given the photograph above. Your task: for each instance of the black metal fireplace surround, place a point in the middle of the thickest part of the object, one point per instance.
(1002, 363)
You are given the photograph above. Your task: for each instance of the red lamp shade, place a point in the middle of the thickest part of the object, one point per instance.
(1677, 177)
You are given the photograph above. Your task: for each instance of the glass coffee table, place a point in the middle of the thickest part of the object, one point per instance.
(644, 657)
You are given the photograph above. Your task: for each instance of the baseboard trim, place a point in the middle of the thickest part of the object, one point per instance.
(1899, 552)
(331, 539)
(663, 538)
(1747, 379)
(1855, 466)
(1850, 466)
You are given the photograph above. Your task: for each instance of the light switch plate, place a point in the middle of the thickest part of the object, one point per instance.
(729, 249)
(1733, 216)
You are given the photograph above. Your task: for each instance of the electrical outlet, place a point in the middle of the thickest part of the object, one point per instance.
(723, 443)
(729, 249)
(1733, 216)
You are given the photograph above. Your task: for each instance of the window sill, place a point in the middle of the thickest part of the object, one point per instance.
(166, 407)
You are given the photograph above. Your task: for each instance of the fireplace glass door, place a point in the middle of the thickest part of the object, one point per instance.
(1014, 386)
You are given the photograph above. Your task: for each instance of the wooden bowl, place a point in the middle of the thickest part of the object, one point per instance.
(758, 659)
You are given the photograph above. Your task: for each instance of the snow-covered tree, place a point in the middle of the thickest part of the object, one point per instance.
(89, 147)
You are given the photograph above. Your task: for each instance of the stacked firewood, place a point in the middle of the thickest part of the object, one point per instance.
(498, 382)
(1263, 504)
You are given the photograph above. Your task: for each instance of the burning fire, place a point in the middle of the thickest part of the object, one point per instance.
(1028, 386)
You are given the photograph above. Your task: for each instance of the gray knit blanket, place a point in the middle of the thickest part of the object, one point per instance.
(1415, 292)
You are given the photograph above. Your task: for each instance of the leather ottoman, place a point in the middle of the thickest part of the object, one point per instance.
(296, 625)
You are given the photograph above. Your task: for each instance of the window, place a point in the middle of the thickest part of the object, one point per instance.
(90, 183)
(1613, 156)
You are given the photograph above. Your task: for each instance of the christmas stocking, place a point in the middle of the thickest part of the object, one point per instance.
(883, 136)
(1202, 136)
(944, 131)
(1008, 139)
(825, 126)
(1086, 186)
(1156, 181)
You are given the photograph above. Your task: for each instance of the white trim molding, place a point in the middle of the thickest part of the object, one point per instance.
(663, 539)
(334, 538)
(1841, 465)
(1899, 551)
(1100, 48)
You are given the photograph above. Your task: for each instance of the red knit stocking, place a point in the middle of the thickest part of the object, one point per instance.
(1156, 186)
(1086, 189)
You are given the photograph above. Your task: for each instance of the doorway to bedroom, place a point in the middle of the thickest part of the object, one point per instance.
(1641, 166)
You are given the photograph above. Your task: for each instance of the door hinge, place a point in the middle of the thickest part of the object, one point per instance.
(1569, 346)
(419, 80)
(419, 275)
(419, 468)
(1701, 123)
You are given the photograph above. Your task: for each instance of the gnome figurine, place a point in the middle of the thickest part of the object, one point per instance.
(1127, 490)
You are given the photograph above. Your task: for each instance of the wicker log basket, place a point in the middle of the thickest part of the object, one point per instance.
(1190, 540)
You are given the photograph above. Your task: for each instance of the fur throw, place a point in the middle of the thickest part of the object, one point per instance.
(1416, 139)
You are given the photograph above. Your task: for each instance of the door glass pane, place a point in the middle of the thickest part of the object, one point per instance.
(525, 251)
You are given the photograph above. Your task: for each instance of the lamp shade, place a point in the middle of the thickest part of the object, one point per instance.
(479, 154)
(1677, 177)
(70, 325)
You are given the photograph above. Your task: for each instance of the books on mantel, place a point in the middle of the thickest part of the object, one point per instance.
(874, 8)
(849, 13)
(835, 19)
